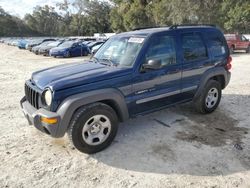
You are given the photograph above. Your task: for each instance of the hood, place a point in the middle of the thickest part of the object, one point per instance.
(76, 74)
(55, 49)
(46, 47)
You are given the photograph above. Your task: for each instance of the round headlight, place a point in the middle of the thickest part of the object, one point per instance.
(47, 97)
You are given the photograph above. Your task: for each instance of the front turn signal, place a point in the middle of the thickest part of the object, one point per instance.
(49, 120)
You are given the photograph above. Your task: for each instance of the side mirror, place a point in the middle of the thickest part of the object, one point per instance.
(151, 64)
(94, 51)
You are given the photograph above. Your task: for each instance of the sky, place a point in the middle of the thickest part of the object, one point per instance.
(21, 7)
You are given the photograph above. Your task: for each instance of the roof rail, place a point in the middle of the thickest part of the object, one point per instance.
(183, 25)
(149, 27)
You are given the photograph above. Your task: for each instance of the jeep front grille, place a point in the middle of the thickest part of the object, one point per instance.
(32, 96)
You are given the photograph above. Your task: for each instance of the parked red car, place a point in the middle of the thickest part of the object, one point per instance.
(237, 42)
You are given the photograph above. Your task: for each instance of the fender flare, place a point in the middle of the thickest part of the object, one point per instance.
(217, 71)
(71, 104)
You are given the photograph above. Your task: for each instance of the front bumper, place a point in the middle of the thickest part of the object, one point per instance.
(28, 48)
(34, 115)
(58, 54)
(34, 51)
(45, 53)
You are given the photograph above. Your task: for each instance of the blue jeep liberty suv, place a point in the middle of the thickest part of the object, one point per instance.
(132, 74)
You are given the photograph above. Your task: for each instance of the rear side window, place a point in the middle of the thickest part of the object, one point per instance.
(217, 47)
(162, 48)
(193, 47)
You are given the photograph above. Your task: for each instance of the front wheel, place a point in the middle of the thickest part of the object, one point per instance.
(210, 97)
(93, 128)
(67, 54)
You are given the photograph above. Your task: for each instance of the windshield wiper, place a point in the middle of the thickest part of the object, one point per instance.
(111, 63)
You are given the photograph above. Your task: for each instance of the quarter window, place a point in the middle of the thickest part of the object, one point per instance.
(193, 47)
(217, 47)
(162, 48)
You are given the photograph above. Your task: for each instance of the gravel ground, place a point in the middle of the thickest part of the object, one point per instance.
(175, 147)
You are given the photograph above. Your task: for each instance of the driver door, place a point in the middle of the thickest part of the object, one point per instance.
(243, 42)
(156, 88)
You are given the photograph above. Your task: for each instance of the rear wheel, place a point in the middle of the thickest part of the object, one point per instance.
(248, 49)
(231, 49)
(210, 97)
(93, 128)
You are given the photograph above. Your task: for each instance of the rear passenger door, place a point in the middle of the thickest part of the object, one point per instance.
(195, 61)
(76, 50)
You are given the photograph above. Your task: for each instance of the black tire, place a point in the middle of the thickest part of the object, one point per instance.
(68, 55)
(80, 119)
(200, 103)
(248, 49)
(85, 53)
(231, 49)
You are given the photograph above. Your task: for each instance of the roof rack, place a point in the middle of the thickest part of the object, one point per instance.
(186, 25)
(149, 27)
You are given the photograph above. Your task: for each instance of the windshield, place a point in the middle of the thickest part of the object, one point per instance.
(45, 43)
(67, 44)
(36, 41)
(120, 50)
(54, 44)
(96, 47)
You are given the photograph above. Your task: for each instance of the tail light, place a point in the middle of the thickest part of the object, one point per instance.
(229, 65)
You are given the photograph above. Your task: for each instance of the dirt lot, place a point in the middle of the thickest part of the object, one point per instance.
(175, 147)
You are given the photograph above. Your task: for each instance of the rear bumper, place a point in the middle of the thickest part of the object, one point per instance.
(34, 115)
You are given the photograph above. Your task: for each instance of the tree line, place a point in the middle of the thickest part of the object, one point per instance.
(85, 17)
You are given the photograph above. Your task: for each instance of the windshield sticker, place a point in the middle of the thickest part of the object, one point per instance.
(136, 40)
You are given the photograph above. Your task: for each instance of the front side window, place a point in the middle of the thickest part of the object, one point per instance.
(243, 38)
(193, 47)
(66, 44)
(162, 48)
(120, 50)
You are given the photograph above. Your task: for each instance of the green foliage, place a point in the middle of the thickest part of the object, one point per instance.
(44, 20)
(237, 15)
(136, 16)
(86, 17)
(231, 16)
(13, 26)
